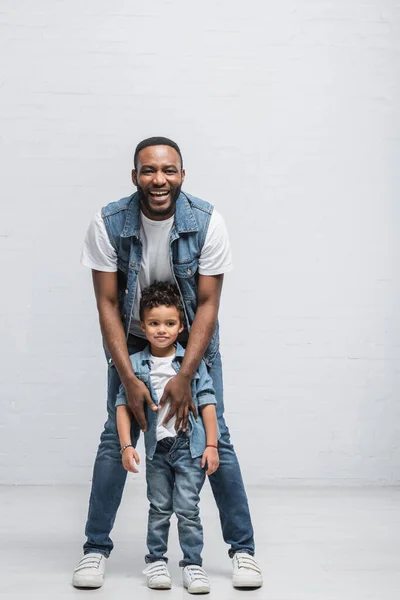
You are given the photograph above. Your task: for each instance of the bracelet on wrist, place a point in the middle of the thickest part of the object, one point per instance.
(125, 447)
(211, 446)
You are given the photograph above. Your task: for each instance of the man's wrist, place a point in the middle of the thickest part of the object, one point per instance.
(128, 378)
(188, 375)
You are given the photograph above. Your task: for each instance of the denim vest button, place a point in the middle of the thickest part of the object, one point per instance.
(133, 263)
(126, 291)
(189, 271)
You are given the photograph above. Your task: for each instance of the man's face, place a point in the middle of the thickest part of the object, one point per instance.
(158, 178)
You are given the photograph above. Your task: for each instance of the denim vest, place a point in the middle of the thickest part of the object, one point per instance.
(188, 234)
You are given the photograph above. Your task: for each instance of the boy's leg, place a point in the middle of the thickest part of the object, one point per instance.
(227, 483)
(108, 473)
(160, 485)
(189, 479)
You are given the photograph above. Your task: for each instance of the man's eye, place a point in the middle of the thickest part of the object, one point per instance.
(170, 172)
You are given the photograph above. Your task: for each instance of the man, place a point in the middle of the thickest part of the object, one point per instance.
(160, 234)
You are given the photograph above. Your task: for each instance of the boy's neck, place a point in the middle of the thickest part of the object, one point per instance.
(163, 352)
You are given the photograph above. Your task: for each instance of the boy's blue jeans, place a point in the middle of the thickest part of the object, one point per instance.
(174, 481)
(109, 475)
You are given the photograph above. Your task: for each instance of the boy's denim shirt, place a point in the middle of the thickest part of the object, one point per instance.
(202, 393)
(188, 234)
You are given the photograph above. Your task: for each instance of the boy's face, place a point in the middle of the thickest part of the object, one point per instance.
(161, 325)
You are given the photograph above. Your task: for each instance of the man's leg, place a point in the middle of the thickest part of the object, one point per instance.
(108, 478)
(108, 473)
(227, 483)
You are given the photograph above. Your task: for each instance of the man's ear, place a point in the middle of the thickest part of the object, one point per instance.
(134, 177)
(183, 174)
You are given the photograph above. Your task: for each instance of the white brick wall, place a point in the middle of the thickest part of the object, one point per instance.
(287, 115)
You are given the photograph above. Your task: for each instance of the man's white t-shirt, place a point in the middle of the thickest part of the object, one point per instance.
(99, 254)
(161, 372)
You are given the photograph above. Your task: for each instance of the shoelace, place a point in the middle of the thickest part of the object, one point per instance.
(88, 562)
(246, 561)
(196, 572)
(155, 569)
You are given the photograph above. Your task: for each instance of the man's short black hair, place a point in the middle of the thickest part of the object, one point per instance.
(161, 293)
(156, 141)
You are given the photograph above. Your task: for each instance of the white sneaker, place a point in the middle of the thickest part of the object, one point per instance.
(246, 572)
(195, 580)
(90, 571)
(158, 577)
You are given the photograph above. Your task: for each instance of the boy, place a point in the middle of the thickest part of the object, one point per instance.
(175, 460)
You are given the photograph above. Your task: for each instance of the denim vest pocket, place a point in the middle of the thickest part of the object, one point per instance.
(186, 274)
(187, 269)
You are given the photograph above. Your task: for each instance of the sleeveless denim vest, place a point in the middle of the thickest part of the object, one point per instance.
(192, 217)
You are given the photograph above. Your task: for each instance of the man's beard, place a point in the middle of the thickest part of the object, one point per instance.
(144, 199)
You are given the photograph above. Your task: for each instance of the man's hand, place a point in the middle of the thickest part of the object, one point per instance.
(129, 458)
(137, 393)
(178, 391)
(211, 459)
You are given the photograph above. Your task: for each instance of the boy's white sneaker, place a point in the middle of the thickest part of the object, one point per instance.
(90, 571)
(158, 577)
(246, 572)
(195, 580)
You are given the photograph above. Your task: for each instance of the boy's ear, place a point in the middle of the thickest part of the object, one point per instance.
(181, 328)
(142, 327)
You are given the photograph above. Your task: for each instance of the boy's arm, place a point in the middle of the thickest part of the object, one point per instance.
(209, 416)
(210, 454)
(129, 455)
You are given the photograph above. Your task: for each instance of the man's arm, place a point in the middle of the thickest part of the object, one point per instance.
(178, 390)
(106, 292)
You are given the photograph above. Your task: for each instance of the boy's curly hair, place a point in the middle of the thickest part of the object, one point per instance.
(161, 293)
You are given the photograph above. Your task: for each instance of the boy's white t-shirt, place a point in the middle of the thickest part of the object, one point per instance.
(99, 254)
(161, 372)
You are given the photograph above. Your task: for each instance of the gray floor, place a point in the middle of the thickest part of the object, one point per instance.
(324, 544)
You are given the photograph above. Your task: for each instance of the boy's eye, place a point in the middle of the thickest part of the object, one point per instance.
(153, 323)
(170, 323)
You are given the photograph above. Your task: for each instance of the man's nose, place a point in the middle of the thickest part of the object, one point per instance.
(159, 178)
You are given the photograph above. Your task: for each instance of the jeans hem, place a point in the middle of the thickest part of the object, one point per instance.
(186, 563)
(151, 559)
(232, 551)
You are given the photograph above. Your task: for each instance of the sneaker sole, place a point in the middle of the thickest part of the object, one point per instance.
(248, 583)
(159, 586)
(88, 582)
(200, 590)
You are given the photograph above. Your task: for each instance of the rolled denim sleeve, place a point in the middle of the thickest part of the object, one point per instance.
(121, 397)
(205, 389)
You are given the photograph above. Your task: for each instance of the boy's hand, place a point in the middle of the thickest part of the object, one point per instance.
(211, 458)
(129, 457)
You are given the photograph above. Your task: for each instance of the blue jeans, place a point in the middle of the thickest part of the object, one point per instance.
(109, 475)
(174, 481)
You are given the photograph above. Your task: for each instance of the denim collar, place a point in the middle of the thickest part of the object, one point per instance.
(146, 354)
(184, 220)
